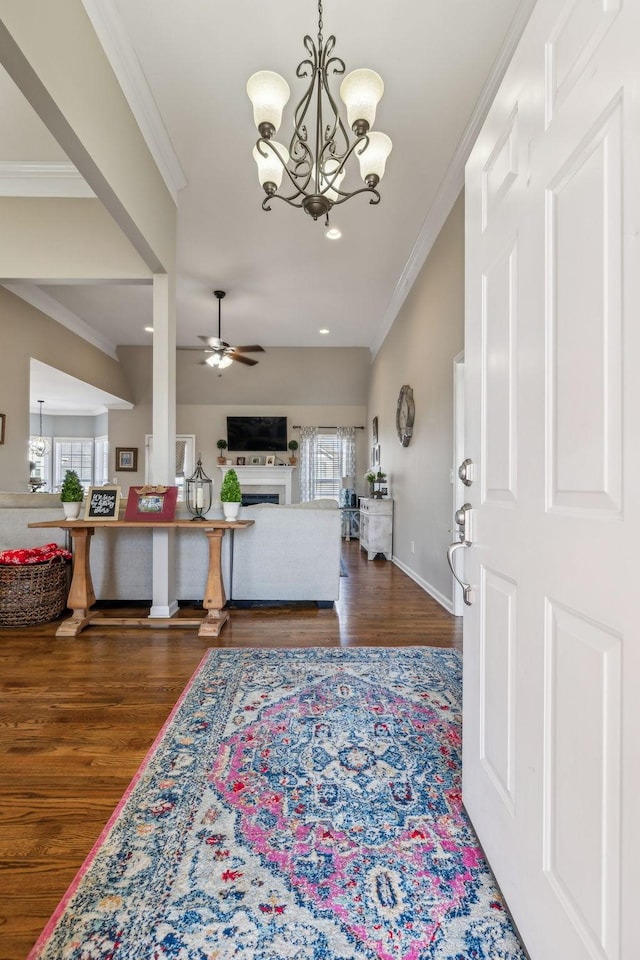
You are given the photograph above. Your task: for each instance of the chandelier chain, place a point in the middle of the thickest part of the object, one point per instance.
(320, 23)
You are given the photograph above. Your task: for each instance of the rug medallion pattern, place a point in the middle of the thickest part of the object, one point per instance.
(299, 804)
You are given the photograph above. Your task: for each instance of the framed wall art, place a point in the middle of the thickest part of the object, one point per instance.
(3, 421)
(126, 459)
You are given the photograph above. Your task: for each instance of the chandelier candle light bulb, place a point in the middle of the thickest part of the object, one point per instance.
(315, 162)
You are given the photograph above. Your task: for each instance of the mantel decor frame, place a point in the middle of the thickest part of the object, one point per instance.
(126, 459)
(149, 504)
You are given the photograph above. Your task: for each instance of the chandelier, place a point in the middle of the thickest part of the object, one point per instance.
(39, 446)
(315, 162)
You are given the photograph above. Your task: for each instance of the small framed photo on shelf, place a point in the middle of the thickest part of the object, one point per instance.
(126, 459)
(256, 461)
(102, 503)
(240, 461)
(151, 503)
(270, 461)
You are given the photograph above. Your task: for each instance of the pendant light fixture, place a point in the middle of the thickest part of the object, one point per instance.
(316, 160)
(39, 446)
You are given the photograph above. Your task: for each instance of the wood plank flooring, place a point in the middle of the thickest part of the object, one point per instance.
(77, 716)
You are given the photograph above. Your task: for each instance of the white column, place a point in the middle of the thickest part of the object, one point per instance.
(163, 457)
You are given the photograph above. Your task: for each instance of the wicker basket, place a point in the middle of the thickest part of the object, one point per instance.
(32, 593)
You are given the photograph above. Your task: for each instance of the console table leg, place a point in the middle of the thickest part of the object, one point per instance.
(214, 598)
(81, 596)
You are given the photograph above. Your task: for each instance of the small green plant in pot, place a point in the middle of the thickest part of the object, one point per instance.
(370, 478)
(293, 446)
(230, 495)
(71, 494)
(222, 446)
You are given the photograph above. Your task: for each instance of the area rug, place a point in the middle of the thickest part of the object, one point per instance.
(297, 804)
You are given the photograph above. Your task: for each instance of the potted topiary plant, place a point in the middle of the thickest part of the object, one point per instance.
(370, 478)
(380, 479)
(230, 495)
(71, 494)
(222, 446)
(293, 446)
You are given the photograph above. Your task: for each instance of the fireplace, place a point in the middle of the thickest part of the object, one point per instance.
(249, 499)
(266, 480)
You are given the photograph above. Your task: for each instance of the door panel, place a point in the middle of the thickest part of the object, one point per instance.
(551, 766)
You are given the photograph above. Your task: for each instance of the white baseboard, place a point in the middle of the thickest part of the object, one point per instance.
(427, 587)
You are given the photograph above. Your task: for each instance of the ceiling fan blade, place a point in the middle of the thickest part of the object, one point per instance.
(240, 359)
(213, 342)
(252, 348)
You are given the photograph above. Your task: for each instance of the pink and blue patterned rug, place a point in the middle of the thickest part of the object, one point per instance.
(299, 804)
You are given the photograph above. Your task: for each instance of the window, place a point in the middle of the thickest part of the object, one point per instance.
(185, 459)
(328, 466)
(73, 453)
(40, 468)
(101, 471)
(325, 458)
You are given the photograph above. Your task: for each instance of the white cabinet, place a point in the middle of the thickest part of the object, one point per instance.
(376, 526)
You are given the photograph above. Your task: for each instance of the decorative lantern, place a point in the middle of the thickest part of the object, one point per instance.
(199, 493)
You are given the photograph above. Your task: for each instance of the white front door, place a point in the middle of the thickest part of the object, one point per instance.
(552, 358)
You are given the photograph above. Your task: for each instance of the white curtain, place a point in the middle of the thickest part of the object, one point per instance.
(347, 447)
(308, 463)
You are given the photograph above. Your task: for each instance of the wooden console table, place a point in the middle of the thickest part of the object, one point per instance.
(82, 597)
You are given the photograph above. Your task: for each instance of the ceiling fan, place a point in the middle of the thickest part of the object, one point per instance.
(221, 353)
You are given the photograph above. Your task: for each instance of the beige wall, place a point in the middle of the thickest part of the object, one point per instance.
(419, 350)
(208, 423)
(24, 333)
(310, 386)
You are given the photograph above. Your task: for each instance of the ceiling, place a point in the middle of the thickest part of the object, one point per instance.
(284, 279)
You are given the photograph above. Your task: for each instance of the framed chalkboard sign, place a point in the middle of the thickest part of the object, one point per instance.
(103, 503)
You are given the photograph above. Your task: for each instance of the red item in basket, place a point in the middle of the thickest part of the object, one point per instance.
(34, 554)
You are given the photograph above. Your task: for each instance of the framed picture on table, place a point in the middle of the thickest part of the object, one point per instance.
(102, 503)
(270, 461)
(151, 503)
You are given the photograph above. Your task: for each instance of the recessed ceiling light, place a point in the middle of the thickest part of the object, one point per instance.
(333, 233)
(148, 329)
(324, 331)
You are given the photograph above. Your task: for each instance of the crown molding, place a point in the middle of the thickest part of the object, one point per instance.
(453, 182)
(33, 179)
(120, 52)
(31, 293)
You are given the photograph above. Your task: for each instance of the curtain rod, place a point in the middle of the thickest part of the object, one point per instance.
(296, 426)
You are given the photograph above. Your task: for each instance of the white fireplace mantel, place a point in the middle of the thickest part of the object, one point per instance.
(256, 476)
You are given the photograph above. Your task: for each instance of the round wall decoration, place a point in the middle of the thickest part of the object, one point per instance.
(405, 415)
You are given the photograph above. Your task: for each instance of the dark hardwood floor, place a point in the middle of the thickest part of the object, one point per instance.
(78, 715)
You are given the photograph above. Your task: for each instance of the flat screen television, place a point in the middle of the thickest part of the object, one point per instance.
(257, 433)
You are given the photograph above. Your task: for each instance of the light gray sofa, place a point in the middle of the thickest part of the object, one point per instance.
(291, 552)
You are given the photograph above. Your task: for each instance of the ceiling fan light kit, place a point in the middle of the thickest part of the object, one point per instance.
(223, 354)
(315, 170)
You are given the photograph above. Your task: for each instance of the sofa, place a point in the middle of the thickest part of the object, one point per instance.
(291, 553)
